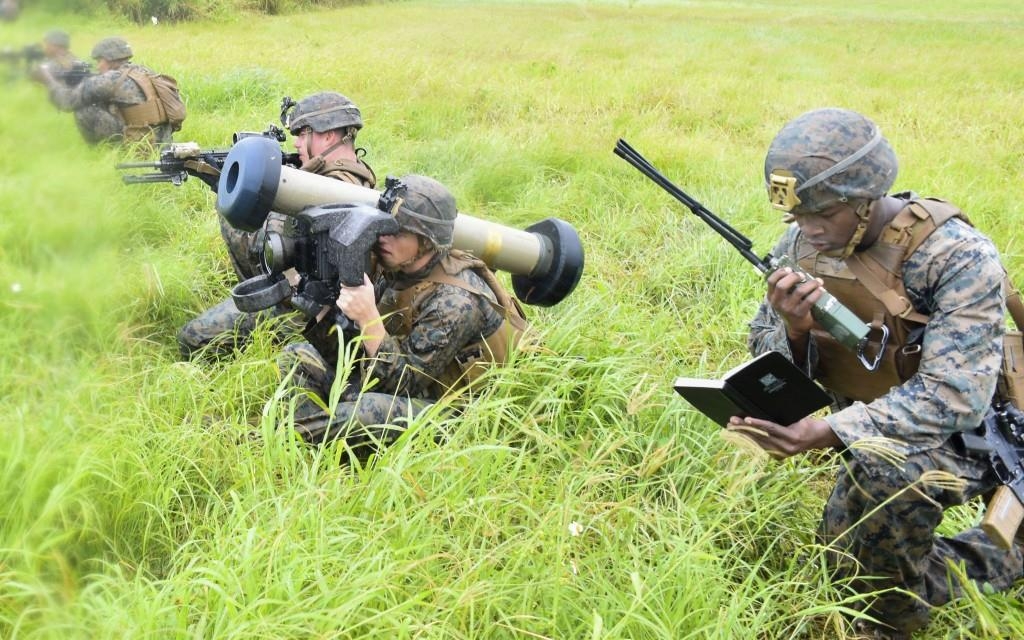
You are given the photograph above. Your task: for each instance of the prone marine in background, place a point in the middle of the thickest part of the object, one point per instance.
(9, 10)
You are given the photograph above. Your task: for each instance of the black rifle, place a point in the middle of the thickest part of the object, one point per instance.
(839, 321)
(23, 57)
(74, 75)
(179, 160)
(1001, 439)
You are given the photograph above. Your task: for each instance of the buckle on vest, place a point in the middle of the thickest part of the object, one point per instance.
(469, 356)
(907, 308)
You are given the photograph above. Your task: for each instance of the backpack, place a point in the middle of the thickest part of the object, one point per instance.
(167, 94)
(163, 101)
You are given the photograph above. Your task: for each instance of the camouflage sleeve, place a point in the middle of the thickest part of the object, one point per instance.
(767, 331)
(448, 321)
(955, 277)
(97, 89)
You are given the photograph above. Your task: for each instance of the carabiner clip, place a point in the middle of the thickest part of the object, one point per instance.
(867, 362)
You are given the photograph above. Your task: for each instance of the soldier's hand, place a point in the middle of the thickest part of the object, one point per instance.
(784, 441)
(40, 74)
(359, 303)
(792, 298)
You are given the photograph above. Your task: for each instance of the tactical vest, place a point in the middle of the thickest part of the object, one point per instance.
(353, 171)
(140, 118)
(475, 358)
(870, 284)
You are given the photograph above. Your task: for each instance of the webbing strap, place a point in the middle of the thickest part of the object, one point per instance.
(896, 304)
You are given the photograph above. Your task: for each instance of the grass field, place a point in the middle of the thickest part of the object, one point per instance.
(579, 498)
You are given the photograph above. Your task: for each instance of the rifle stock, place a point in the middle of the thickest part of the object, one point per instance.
(1003, 516)
(1000, 437)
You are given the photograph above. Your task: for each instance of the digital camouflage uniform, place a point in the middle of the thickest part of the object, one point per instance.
(224, 322)
(407, 367)
(434, 318)
(871, 518)
(98, 100)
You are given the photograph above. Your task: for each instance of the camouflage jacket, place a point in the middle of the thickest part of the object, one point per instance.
(108, 89)
(955, 277)
(447, 320)
(106, 93)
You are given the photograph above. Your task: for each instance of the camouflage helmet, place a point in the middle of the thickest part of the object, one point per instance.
(323, 112)
(427, 209)
(57, 38)
(112, 49)
(827, 156)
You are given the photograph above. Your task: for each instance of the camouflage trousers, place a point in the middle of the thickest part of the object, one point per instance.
(366, 421)
(97, 124)
(223, 328)
(883, 532)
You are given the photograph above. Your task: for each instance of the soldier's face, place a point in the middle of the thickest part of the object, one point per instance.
(309, 143)
(398, 251)
(831, 229)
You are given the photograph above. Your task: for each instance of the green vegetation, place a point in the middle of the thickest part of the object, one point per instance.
(143, 11)
(579, 498)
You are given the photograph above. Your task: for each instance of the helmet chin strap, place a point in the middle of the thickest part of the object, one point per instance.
(863, 212)
(316, 163)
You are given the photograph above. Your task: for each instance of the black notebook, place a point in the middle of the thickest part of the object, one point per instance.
(768, 387)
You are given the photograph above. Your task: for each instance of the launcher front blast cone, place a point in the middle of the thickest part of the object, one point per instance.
(545, 259)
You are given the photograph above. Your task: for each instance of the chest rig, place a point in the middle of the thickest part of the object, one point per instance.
(401, 310)
(870, 284)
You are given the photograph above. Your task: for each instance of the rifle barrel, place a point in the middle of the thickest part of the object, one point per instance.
(153, 177)
(138, 165)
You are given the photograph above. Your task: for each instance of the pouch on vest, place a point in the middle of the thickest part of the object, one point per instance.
(1011, 374)
(167, 93)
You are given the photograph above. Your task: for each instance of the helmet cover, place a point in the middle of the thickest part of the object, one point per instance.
(322, 112)
(828, 156)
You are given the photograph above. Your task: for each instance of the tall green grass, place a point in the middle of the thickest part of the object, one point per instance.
(150, 498)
